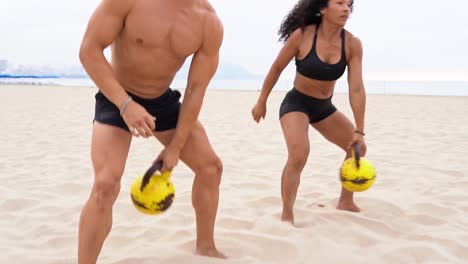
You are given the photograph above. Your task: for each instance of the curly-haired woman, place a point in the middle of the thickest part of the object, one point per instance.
(313, 33)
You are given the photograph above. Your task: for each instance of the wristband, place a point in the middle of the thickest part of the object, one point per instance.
(359, 132)
(125, 104)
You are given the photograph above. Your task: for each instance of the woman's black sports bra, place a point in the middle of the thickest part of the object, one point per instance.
(313, 67)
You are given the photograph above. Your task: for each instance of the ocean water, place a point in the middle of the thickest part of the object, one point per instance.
(435, 88)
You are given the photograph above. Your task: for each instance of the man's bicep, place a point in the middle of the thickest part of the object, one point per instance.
(202, 69)
(106, 22)
(205, 61)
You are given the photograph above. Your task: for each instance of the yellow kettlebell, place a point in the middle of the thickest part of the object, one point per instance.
(153, 193)
(357, 174)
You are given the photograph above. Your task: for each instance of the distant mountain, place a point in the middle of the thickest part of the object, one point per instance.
(3, 65)
(226, 71)
(8, 70)
(10, 76)
(73, 71)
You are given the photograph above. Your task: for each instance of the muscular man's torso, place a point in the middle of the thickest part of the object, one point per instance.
(155, 40)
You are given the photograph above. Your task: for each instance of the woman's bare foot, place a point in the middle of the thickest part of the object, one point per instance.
(210, 252)
(348, 206)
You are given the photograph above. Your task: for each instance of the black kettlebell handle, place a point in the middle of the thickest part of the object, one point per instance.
(357, 153)
(146, 178)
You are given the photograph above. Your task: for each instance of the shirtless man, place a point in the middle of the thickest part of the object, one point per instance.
(150, 41)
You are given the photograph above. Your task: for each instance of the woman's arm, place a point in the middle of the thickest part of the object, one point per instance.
(357, 93)
(286, 54)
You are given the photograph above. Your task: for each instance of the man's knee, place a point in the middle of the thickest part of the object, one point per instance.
(211, 171)
(106, 189)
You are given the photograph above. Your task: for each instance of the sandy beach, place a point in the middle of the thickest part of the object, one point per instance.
(417, 211)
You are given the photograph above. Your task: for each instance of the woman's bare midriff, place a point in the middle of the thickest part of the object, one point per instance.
(314, 88)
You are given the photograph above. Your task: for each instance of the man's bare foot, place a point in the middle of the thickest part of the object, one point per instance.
(210, 252)
(348, 206)
(287, 217)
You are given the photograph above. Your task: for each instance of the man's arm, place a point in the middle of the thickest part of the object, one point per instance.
(357, 93)
(203, 67)
(103, 27)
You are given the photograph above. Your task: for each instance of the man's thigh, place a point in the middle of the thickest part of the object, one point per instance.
(109, 149)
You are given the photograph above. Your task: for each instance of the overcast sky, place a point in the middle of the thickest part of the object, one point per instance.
(409, 39)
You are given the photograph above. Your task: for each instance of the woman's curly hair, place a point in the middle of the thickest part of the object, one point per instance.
(306, 12)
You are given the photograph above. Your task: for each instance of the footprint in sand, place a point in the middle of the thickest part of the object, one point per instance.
(464, 209)
(454, 198)
(362, 222)
(458, 249)
(232, 223)
(140, 260)
(262, 248)
(178, 236)
(379, 208)
(43, 230)
(250, 185)
(72, 187)
(273, 226)
(310, 195)
(463, 185)
(265, 203)
(60, 242)
(63, 260)
(18, 204)
(450, 172)
(432, 209)
(415, 254)
(427, 220)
